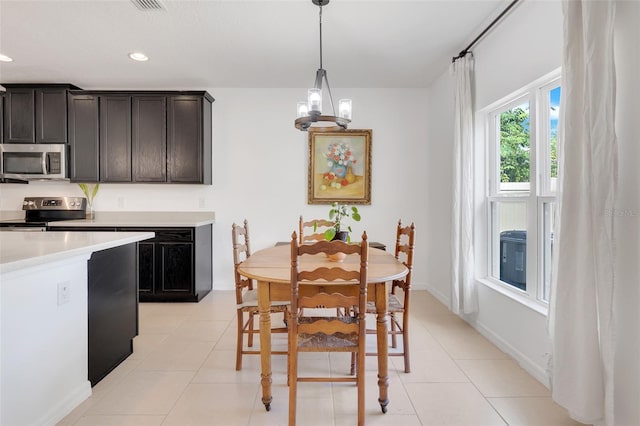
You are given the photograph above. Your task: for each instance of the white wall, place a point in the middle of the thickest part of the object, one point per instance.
(260, 166)
(439, 162)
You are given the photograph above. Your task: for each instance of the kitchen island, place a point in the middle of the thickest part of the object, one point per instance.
(45, 320)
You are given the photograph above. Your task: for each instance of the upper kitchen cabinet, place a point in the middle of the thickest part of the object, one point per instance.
(115, 138)
(84, 147)
(189, 139)
(149, 139)
(35, 113)
(142, 136)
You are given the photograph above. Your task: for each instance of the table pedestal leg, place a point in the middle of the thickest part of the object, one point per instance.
(383, 350)
(264, 309)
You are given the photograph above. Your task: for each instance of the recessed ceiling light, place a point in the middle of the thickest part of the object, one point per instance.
(5, 58)
(138, 56)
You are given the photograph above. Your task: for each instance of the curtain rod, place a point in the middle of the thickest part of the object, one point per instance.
(464, 52)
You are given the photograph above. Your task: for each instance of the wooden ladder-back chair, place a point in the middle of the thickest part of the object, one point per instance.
(405, 241)
(344, 286)
(314, 230)
(247, 297)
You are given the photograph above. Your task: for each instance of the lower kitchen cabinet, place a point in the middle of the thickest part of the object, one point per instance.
(176, 265)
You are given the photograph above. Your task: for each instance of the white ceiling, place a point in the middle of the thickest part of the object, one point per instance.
(214, 43)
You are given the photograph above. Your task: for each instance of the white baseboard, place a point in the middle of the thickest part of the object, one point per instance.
(525, 362)
(443, 298)
(66, 406)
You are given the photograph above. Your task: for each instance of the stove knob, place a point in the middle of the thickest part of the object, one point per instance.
(73, 204)
(31, 203)
(24, 203)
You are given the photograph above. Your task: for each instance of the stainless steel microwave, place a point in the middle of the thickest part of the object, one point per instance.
(33, 161)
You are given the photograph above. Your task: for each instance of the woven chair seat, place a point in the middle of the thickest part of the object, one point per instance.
(394, 305)
(250, 302)
(332, 343)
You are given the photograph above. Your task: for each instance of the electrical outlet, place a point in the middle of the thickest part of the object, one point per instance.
(64, 292)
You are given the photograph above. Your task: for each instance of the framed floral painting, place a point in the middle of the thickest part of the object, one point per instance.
(340, 167)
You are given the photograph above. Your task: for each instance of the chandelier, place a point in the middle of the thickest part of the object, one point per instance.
(310, 112)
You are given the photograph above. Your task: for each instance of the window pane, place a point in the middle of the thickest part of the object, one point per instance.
(509, 243)
(547, 252)
(554, 113)
(514, 149)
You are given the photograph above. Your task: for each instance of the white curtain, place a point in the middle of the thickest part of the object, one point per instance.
(581, 313)
(463, 291)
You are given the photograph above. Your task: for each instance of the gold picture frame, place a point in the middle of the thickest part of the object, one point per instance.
(340, 167)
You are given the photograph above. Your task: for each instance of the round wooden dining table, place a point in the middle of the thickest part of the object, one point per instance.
(271, 268)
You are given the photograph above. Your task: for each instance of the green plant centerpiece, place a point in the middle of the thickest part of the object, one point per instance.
(90, 193)
(340, 230)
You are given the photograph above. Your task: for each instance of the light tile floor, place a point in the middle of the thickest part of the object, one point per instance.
(182, 373)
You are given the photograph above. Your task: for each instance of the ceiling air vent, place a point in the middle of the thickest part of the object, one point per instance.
(149, 5)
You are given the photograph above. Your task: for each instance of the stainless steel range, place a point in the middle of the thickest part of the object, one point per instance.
(41, 210)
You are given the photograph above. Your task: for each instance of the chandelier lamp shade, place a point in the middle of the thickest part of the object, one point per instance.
(310, 116)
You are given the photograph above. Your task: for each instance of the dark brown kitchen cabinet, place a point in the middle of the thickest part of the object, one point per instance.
(35, 113)
(1, 117)
(19, 120)
(188, 136)
(149, 139)
(84, 151)
(176, 265)
(151, 136)
(115, 138)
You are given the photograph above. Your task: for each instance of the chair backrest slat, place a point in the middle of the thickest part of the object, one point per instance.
(328, 327)
(329, 274)
(316, 229)
(325, 300)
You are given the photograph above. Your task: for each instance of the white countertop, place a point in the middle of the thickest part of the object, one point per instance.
(19, 250)
(143, 219)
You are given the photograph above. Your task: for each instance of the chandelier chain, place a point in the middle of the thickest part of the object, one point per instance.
(320, 35)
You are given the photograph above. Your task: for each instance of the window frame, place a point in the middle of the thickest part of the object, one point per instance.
(540, 192)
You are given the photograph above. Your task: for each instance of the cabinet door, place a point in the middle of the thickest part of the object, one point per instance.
(184, 139)
(2, 119)
(146, 267)
(176, 269)
(19, 123)
(83, 138)
(115, 138)
(149, 144)
(51, 115)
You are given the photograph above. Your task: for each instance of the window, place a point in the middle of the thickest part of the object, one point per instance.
(520, 202)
